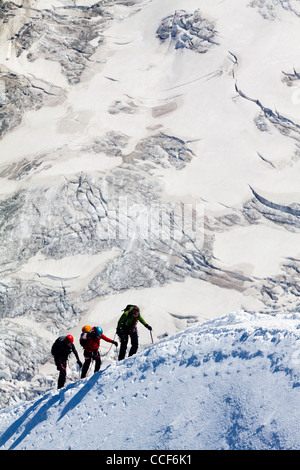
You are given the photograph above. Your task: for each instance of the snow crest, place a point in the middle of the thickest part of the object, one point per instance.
(230, 383)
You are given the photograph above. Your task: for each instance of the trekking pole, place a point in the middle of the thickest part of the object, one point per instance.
(151, 336)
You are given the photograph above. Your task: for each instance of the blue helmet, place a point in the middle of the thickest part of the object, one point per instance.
(98, 331)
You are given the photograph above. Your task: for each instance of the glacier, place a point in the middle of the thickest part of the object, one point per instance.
(149, 154)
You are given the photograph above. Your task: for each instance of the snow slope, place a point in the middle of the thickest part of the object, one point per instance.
(96, 106)
(229, 383)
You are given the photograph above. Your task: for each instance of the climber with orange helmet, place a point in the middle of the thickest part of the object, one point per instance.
(91, 348)
(61, 349)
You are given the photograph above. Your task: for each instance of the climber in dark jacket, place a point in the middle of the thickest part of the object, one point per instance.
(61, 349)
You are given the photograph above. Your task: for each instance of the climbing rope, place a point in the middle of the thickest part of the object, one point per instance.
(105, 354)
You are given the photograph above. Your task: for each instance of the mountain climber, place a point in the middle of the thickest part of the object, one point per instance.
(91, 348)
(127, 327)
(61, 349)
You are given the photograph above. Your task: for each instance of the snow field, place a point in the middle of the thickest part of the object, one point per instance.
(230, 383)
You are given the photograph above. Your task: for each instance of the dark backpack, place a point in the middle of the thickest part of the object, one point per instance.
(56, 347)
(60, 348)
(128, 307)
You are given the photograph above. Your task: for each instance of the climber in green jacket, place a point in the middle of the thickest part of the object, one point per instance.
(127, 327)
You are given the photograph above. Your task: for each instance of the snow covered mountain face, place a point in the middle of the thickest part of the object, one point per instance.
(227, 384)
(149, 154)
(230, 383)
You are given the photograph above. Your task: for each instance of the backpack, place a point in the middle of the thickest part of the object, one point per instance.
(128, 308)
(57, 346)
(83, 337)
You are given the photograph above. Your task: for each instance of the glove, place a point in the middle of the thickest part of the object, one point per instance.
(80, 364)
(149, 327)
(115, 343)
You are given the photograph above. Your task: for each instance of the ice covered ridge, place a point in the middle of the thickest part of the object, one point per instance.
(230, 383)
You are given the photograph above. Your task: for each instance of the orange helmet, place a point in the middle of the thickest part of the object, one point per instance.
(86, 329)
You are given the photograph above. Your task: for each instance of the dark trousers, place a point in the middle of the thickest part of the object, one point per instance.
(88, 356)
(61, 365)
(124, 341)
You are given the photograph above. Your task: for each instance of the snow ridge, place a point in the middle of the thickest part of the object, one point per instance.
(229, 383)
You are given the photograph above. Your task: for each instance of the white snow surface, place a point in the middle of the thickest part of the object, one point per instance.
(229, 383)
